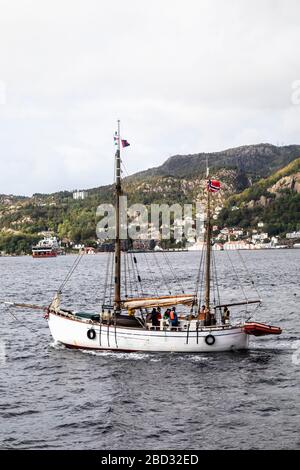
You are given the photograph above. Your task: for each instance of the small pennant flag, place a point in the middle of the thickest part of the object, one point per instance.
(125, 143)
(213, 186)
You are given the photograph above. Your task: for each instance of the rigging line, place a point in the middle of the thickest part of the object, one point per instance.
(111, 286)
(162, 274)
(216, 286)
(68, 274)
(134, 276)
(197, 284)
(254, 312)
(124, 168)
(106, 276)
(213, 282)
(216, 277)
(237, 276)
(138, 274)
(249, 274)
(202, 279)
(151, 274)
(18, 321)
(76, 263)
(71, 271)
(173, 272)
(135, 290)
(128, 274)
(198, 274)
(125, 274)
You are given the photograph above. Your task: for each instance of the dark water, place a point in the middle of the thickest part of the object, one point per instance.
(53, 398)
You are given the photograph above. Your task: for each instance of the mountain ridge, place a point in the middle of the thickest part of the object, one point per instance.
(22, 218)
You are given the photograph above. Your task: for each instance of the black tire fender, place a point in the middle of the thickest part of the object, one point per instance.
(91, 333)
(210, 340)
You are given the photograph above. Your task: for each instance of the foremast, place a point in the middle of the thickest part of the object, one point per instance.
(117, 292)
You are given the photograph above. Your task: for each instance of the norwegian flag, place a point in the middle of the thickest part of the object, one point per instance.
(213, 186)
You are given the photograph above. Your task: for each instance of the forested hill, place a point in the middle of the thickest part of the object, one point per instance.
(275, 200)
(180, 179)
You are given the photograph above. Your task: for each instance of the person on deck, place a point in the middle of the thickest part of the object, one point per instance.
(167, 314)
(213, 320)
(226, 315)
(173, 317)
(158, 316)
(154, 317)
(201, 315)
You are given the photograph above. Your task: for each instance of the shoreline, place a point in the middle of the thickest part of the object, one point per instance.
(158, 251)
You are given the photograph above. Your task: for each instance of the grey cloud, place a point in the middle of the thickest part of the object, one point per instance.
(184, 77)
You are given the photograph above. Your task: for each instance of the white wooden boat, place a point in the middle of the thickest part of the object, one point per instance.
(123, 323)
(114, 329)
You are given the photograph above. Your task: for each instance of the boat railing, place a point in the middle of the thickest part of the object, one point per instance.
(184, 328)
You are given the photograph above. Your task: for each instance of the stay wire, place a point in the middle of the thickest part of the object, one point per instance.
(106, 276)
(162, 274)
(177, 281)
(71, 271)
(236, 274)
(249, 274)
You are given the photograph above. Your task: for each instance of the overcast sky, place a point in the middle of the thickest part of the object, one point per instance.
(183, 77)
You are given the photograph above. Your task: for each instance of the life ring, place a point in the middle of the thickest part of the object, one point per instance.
(91, 334)
(210, 340)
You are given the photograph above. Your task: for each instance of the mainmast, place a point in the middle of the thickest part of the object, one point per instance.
(117, 297)
(208, 251)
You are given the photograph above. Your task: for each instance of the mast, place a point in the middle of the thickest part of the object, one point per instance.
(117, 296)
(208, 251)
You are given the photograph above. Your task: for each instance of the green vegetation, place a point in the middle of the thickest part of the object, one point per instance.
(280, 214)
(17, 244)
(181, 179)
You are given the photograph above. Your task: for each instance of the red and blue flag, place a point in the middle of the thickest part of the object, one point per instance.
(213, 186)
(125, 143)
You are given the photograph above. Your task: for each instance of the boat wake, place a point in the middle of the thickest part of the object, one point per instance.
(118, 355)
(57, 345)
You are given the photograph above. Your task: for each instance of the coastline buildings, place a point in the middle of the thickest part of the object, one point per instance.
(293, 235)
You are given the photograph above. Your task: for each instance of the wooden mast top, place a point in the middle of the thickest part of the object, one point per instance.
(117, 293)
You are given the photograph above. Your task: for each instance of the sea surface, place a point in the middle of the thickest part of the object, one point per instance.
(54, 398)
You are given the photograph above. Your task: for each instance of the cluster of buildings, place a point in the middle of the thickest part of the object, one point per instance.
(239, 239)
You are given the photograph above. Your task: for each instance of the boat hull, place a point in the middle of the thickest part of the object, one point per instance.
(50, 254)
(74, 334)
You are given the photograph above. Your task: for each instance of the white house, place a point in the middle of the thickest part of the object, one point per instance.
(79, 195)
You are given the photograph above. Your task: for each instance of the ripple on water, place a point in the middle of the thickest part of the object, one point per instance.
(53, 397)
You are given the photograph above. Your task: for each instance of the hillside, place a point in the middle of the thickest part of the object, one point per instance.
(274, 200)
(255, 161)
(180, 179)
